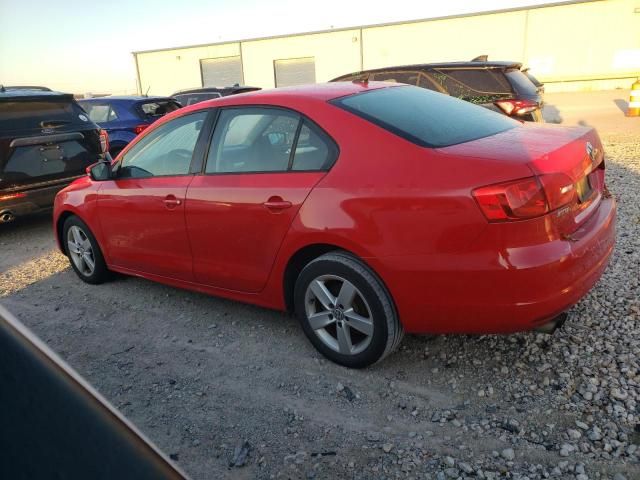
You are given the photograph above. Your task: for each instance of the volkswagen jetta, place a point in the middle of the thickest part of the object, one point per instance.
(368, 209)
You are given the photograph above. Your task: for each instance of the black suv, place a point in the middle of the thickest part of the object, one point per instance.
(195, 95)
(499, 86)
(46, 141)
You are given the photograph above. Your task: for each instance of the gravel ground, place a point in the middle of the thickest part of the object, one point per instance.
(233, 391)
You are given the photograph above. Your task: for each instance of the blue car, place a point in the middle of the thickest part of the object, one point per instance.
(125, 117)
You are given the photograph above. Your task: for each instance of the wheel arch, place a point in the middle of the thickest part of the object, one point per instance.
(309, 252)
(60, 227)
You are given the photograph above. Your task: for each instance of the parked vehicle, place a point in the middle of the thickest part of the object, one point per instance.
(125, 117)
(4, 88)
(368, 209)
(195, 95)
(46, 142)
(539, 85)
(499, 86)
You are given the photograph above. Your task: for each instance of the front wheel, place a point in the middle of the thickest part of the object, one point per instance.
(345, 311)
(84, 252)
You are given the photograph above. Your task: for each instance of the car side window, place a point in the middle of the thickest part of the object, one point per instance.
(252, 140)
(101, 113)
(314, 150)
(165, 151)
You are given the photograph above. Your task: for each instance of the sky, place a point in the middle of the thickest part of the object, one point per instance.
(84, 46)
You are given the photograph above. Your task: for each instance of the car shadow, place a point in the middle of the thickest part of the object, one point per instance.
(25, 239)
(551, 114)
(623, 105)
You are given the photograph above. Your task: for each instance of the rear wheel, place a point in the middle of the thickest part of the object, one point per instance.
(84, 252)
(345, 310)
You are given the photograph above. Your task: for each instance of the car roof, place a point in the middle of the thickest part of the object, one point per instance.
(31, 93)
(472, 64)
(24, 87)
(234, 88)
(123, 98)
(321, 92)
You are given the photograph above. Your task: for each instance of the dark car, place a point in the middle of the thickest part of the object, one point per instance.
(26, 87)
(50, 414)
(46, 142)
(499, 86)
(195, 95)
(125, 117)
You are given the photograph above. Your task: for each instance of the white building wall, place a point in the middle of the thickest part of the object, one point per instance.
(576, 46)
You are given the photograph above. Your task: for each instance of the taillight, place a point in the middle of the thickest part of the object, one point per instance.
(139, 129)
(526, 198)
(104, 141)
(559, 189)
(517, 107)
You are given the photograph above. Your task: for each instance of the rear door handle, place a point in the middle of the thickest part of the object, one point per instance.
(277, 203)
(171, 201)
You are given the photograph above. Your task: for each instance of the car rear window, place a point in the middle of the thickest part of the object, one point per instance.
(186, 99)
(522, 83)
(157, 108)
(424, 117)
(38, 114)
(475, 85)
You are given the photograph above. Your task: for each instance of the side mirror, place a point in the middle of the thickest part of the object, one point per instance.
(99, 172)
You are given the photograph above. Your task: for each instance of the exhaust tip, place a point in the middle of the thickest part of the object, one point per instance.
(552, 325)
(6, 217)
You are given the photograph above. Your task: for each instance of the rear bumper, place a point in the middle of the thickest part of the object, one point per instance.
(501, 290)
(30, 201)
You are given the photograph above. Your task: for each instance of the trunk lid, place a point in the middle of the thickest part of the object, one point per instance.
(567, 160)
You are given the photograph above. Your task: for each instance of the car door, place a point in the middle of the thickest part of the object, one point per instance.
(261, 165)
(142, 210)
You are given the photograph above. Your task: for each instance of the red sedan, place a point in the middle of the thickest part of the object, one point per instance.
(369, 209)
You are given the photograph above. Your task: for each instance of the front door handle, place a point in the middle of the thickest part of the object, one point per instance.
(277, 204)
(171, 201)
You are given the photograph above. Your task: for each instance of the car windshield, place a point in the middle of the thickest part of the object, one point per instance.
(424, 117)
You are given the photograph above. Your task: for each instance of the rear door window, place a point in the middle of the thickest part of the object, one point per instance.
(252, 140)
(424, 117)
(257, 139)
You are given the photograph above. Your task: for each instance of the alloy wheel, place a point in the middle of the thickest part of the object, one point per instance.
(338, 314)
(81, 251)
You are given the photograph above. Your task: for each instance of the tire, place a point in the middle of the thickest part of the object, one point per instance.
(81, 247)
(337, 293)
